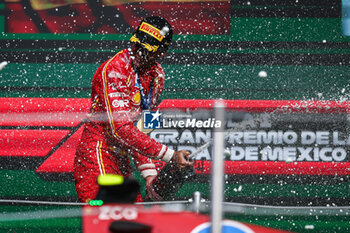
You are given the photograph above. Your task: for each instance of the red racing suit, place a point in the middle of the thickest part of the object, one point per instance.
(109, 136)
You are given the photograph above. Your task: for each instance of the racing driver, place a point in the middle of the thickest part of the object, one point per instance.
(122, 87)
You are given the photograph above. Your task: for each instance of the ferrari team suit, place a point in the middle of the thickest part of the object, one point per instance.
(110, 135)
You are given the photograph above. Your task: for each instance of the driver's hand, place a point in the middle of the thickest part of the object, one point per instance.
(181, 159)
(150, 190)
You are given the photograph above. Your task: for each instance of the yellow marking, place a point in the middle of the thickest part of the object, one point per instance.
(110, 179)
(128, 79)
(151, 48)
(100, 154)
(137, 97)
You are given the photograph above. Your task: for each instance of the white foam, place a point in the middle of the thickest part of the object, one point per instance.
(3, 64)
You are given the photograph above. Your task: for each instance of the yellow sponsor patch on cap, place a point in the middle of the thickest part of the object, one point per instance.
(151, 30)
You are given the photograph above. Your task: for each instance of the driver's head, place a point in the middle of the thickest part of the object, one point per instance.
(150, 41)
